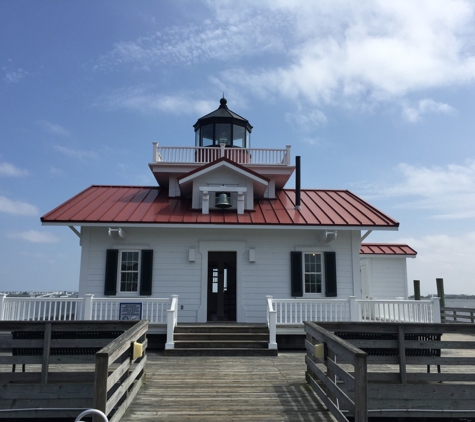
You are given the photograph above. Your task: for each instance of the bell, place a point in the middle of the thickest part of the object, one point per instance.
(223, 201)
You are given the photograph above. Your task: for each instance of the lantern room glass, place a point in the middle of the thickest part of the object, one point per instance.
(231, 135)
(207, 136)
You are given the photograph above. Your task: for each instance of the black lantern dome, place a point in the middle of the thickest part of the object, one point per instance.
(222, 126)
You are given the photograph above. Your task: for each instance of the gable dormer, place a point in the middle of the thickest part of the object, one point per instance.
(209, 183)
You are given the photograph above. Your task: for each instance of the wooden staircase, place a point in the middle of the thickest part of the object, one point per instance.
(221, 339)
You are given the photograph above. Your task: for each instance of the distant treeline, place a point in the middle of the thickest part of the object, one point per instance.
(447, 296)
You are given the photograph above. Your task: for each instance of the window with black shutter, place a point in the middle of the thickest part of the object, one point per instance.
(313, 273)
(128, 271)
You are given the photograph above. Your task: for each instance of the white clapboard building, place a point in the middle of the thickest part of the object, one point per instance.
(220, 230)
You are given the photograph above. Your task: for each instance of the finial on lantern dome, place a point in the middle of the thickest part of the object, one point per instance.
(223, 102)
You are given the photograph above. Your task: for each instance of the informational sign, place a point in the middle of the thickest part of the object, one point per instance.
(130, 311)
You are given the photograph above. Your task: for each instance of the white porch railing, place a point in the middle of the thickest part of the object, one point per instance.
(41, 308)
(426, 311)
(296, 311)
(172, 320)
(86, 308)
(202, 155)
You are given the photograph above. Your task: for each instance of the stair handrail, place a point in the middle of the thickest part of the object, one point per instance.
(271, 323)
(172, 319)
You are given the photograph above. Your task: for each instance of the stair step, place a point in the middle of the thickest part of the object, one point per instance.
(222, 336)
(222, 328)
(221, 344)
(221, 339)
(221, 352)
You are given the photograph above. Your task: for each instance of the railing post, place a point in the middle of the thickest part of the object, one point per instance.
(222, 145)
(436, 310)
(88, 307)
(155, 151)
(172, 319)
(287, 155)
(361, 389)
(2, 305)
(354, 315)
(272, 323)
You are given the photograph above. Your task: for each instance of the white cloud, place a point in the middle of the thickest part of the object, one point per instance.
(142, 99)
(16, 207)
(34, 236)
(8, 169)
(224, 40)
(306, 119)
(53, 128)
(448, 191)
(424, 106)
(372, 51)
(443, 256)
(76, 153)
(12, 74)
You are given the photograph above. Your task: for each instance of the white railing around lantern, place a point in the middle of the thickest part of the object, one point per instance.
(79, 308)
(264, 156)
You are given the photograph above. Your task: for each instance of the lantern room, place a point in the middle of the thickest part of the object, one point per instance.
(222, 126)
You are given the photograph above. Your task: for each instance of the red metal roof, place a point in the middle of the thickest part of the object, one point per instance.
(141, 204)
(386, 249)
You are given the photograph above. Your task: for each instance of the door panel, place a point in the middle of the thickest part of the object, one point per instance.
(221, 286)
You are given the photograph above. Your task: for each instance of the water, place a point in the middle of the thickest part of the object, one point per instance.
(460, 303)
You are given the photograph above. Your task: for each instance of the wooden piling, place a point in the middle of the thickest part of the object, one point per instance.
(417, 289)
(440, 291)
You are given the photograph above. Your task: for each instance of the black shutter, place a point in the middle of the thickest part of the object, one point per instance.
(110, 284)
(330, 274)
(296, 285)
(146, 273)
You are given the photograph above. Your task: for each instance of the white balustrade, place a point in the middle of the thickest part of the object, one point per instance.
(42, 309)
(399, 310)
(296, 311)
(73, 309)
(265, 156)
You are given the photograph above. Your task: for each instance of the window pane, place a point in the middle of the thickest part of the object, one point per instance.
(215, 280)
(129, 271)
(313, 272)
(207, 136)
(239, 134)
(313, 283)
(223, 133)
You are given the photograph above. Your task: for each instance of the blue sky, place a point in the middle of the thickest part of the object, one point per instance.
(377, 97)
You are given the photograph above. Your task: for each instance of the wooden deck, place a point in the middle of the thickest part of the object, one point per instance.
(226, 389)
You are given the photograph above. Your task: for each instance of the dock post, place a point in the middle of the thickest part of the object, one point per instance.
(361, 388)
(417, 289)
(441, 294)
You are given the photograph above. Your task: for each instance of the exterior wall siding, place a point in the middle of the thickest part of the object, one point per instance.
(173, 273)
(387, 277)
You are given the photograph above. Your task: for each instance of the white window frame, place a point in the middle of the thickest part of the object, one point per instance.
(322, 273)
(119, 273)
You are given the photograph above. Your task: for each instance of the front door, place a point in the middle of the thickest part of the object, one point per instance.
(221, 286)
